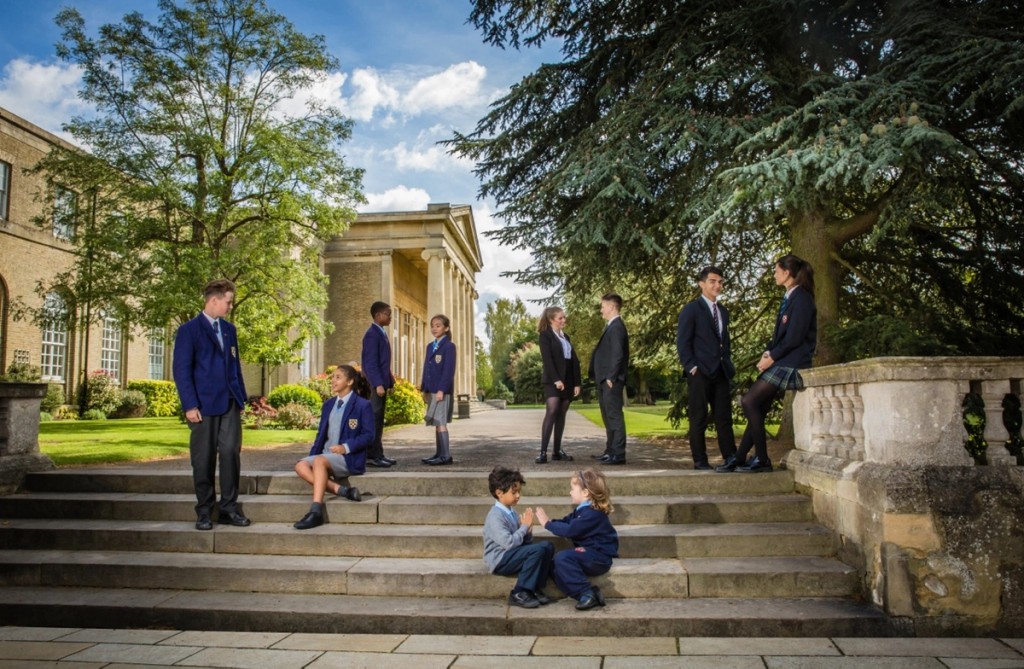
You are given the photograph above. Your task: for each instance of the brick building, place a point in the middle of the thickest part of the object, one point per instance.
(421, 263)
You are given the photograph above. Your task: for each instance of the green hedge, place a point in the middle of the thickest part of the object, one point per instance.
(290, 392)
(161, 397)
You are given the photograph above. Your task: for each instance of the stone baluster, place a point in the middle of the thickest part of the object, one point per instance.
(992, 392)
(817, 419)
(858, 425)
(835, 444)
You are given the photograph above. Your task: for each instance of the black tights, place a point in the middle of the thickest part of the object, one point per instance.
(756, 405)
(554, 421)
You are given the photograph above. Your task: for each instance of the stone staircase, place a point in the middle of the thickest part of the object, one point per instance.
(701, 554)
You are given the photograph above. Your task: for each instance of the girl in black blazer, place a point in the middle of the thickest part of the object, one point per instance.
(791, 349)
(561, 378)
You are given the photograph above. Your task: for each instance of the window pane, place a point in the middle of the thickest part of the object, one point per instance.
(52, 358)
(65, 204)
(110, 353)
(156, 354)
(5, 189)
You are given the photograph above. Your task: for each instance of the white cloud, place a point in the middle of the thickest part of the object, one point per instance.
(45, 94)
(326, 90)
(424, 158)
(457, 86)
(399, 198)
(371, 92)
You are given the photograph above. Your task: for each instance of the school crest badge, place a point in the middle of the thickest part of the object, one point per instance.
(353, 423)
(437, 358)
(785, 319)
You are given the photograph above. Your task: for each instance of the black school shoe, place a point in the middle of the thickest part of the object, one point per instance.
(523, 599)
(587, 600)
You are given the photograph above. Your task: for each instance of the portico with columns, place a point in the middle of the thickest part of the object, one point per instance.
(422, 263)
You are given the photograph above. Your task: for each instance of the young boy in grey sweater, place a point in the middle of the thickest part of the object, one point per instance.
(508, 550)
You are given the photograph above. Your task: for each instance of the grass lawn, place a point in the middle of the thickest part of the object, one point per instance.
(82, 442)
(649, 421)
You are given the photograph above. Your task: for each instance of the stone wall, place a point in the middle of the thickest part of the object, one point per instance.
(880, 448)
(19, 433)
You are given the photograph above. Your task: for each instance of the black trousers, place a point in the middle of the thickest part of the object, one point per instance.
(213, 437)
(610, 401)
(378, 403)
(710, 391)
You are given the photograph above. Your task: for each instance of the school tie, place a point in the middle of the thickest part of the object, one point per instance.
(216, 330)
(785, 303)
(714, 317)
(515, 518)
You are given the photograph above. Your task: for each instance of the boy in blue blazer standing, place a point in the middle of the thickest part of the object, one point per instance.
(208, 375)
(376, 362)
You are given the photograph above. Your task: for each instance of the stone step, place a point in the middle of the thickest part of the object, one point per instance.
(407, 510)
(388, 540)
(416, 577)
(418, 484)
(334, 613)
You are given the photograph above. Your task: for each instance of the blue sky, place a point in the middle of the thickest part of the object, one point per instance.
(410, 72)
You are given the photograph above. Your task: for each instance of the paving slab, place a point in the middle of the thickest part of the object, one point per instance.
(561, 645)
(927, 647)
(39, 650)
(334, 660)
(98, 635)
(978, 663)
(134, 653)
(853, 663)
(756, 646)
(709, 662)
(563, 662)
(455, 644)
(366, 643)
(246, 658)
(54, 664)
(226, 639)
(16, 633)
(1015, 643)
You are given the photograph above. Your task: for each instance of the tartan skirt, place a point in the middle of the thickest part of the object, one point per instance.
(785, 378)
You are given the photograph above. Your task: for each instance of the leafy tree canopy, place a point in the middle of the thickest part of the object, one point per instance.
(881, 141)
(204, 161)
(508, 325)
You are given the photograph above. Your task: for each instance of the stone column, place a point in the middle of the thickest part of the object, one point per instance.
(474, 296)
(436, 281)
(19, 433)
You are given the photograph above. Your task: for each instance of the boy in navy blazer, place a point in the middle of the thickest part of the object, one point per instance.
(208, 375)
(702, 341)
(376, 364)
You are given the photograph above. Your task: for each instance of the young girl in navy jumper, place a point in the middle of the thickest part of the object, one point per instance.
(339, 450)
(595, 542)
(439, 384)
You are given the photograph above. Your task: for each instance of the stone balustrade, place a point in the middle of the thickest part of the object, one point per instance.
(903, 410)
(19, 433)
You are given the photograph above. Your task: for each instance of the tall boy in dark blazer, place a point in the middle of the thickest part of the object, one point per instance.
(608, 366)
(702, 341)
(208, 376)
(376, 364)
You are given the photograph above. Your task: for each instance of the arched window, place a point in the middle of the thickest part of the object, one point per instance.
(53, 357)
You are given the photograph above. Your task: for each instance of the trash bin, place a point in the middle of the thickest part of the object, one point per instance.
(463, 406)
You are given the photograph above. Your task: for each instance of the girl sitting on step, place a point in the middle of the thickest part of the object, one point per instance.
(339, 450)
(595, 542)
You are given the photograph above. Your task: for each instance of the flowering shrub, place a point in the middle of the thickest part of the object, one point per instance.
(405, 404)
(321, 383)
(133, 405)
(295, 416)
(258, 414)
(100, 392)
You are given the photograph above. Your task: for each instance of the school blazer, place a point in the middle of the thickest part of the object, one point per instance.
(556, 365)
(611, 355)
(206, 377)
(356, 431)
(439, 368)
(796, 332)
(697, 342)
(376, 358)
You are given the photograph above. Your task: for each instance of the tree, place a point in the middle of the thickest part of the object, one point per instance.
(202, 163)
(882, 141)
(524, 368)
(484, 377)
(508, 327)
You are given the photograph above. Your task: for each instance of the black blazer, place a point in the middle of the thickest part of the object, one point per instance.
(698, 343)
(611, 355)
(796, 331)
(556, 365)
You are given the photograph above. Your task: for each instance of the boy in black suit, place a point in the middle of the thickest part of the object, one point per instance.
(702, 341)
(608, 366)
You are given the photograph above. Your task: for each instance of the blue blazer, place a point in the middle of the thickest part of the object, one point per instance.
(356, 431)
(439, 368)
(206, 377)
(376, 358)
(697, 341)
(589, 528)
(796, 332)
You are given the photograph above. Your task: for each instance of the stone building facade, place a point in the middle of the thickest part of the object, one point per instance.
(421, 262)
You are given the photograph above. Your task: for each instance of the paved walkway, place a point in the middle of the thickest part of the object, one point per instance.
(63, 648)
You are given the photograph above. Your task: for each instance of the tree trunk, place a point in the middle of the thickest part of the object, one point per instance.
(813, 241)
